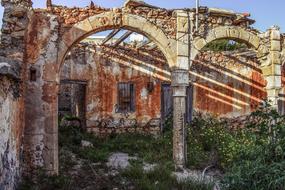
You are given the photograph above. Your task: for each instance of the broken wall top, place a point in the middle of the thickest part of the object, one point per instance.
(166, 19)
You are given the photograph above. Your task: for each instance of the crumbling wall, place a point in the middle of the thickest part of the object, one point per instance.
(41, 80)
(11, 128)
(12, 53)
(11, 124)
(105, 67)
(227, 84)
(163, 18)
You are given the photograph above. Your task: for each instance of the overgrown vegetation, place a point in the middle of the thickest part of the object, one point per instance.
(261, 165)
(147, 149)
(251, 157)
(161, 178)
(224, 45)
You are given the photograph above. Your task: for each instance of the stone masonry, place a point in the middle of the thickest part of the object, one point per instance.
(35, 43)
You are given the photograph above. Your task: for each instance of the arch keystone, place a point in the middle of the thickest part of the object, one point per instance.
(200, 43)
(233, 33)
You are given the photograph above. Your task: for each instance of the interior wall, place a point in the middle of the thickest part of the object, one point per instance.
(103, 68)
(227, 84)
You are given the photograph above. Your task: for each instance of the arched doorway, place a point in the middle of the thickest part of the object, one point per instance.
(47, 151)
(231, 79)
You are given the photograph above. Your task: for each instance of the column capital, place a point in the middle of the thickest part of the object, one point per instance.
(179, 77)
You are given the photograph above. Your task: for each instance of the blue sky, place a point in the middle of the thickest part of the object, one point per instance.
(265, 12)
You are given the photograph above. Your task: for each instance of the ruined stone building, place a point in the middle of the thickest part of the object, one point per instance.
(119, 87)
(100, 72)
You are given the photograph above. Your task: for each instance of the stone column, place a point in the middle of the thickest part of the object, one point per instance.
(272, 71)
(41, 95)
(180, 82)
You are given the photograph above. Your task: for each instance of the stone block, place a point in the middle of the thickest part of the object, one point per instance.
(182, 62)
(244, 35)
(273, 92)
(84, 25)
(221, 32)
(182, 24)
(234, 33)
(200, 44)
(182, 49)
(194, 53)
(254, 41)
(273, 82)
(180, 77)
(181, 13)
(275, 57)
(275, 45)
(270, 70)
(183, 37)
(275, 35)
(211, 36)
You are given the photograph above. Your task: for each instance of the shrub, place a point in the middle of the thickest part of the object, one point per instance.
(260, 166)
(212, 142)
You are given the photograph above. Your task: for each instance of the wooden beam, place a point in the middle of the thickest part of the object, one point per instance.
(122, 38)
(67, 81)
(110, 36)
(142, 44)
(152, 47)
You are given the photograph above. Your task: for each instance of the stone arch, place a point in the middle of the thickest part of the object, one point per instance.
(237, 34)
(113, 20)
(104, 21)
(228, 32)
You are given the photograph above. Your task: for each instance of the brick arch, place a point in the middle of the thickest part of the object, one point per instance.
(228, 32)
(112, 20)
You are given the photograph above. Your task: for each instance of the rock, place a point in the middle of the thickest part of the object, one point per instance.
(66, 123)
(119, 160)
(148, 167)
(18, 34)
(19, 12)
(9, 68)
(86, 144)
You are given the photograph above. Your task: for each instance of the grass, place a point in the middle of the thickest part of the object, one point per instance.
(146, 148)
(160, 178)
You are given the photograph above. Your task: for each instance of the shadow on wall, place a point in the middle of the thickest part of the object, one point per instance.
(227, 84)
